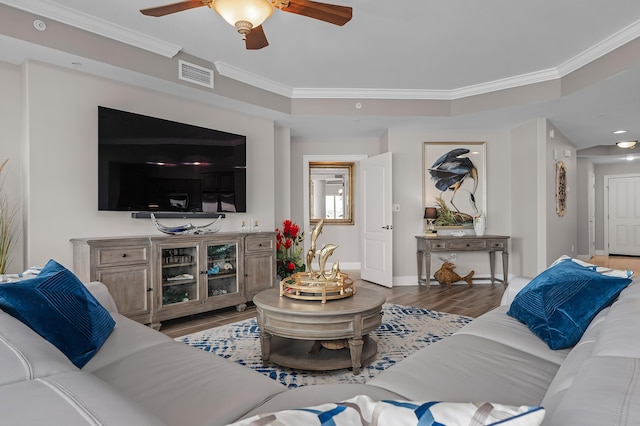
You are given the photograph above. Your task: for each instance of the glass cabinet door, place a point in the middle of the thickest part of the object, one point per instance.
(222, 263)
(179, 275)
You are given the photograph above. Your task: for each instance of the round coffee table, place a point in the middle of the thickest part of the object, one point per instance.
(290, 330)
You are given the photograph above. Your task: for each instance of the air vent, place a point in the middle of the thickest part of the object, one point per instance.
(195, 74)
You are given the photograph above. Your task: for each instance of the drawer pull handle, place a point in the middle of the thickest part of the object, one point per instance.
(259, 244)
(124, 254)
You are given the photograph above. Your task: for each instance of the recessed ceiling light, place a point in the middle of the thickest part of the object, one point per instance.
(626, 144)
(619, 132)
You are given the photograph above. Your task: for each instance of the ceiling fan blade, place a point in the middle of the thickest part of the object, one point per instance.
(333, 14)
(256, 39)
(173, 8)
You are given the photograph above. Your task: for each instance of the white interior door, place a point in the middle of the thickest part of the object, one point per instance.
(624, 215)
(377, 226)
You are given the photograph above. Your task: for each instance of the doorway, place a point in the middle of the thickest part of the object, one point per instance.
(622, 214)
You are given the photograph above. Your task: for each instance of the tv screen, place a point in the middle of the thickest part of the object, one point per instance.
(149, 164)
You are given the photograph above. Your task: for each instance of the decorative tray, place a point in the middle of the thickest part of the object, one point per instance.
(303, 286)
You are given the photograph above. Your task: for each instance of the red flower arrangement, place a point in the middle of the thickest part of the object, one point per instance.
(289, 249)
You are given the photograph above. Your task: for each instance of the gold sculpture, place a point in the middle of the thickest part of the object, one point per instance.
(318, 285)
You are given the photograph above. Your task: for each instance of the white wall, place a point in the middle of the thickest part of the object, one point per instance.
(282, 164)
(347, 237)
(584, 168)
(561, 230)
(406, 146)
(49, 123)
(11, 111)
(61, 157)
(525, 233)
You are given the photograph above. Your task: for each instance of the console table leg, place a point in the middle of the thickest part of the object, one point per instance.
(355, 349)
(265, 345)
(424, 259)
(492, 266)
(427, 263)
(505, 267)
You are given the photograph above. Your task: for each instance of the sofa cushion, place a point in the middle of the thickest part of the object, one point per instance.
(560, 302)
(495, 325)
(127, 338)
(69, 399)
(464, 368)
(363, 410)
(621, 330)
(57, 306)
(569, 369)
(606, 391)
(186, 386)
(25, 355)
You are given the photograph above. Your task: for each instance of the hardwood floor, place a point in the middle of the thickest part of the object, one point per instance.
(459, 299)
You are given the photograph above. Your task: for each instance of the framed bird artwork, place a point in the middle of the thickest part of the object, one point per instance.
(454, 181)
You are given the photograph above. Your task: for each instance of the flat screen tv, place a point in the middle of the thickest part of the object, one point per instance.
(148, 164)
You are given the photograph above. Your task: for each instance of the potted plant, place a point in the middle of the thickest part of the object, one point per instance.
(7, 230)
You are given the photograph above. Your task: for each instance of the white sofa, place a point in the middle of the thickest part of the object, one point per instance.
(142, 377)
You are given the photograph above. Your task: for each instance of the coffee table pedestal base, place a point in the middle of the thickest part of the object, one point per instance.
(294, 353)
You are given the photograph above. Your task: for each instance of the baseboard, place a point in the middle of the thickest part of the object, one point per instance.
(413, 280)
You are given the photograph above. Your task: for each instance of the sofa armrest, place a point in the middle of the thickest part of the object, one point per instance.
(515, 285)
(101, 293)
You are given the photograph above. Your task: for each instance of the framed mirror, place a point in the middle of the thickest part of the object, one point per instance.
(331, 192)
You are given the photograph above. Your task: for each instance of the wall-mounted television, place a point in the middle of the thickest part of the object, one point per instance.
(148, 164)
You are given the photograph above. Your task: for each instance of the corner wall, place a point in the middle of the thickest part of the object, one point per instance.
(11, 111)
(61, 157)
(406, 146)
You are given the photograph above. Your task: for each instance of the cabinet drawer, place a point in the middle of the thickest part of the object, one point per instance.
(468, 245)
(253, 244)
(121, 255)
(496, 244)
(436, 245)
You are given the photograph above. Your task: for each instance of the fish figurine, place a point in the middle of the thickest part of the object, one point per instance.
(446, 275)
(187, 228)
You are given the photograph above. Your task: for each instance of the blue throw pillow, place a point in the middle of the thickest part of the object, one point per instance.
(559, 304)
(57, 306)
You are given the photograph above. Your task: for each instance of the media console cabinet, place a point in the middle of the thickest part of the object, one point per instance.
(156, 278)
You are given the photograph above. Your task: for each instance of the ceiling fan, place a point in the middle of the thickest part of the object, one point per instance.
(248, 15)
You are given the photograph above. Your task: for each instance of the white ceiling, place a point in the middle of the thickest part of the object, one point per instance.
(410, 49)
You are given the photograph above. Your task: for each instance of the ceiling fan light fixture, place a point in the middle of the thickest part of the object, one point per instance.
(626, 144)
(244, 14)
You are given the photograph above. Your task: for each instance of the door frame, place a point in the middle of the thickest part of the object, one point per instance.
(605, 219)
(357, 200)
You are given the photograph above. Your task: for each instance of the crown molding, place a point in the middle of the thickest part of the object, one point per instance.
(597, 51)
(95, 25)
(371, 94)
(600, 49)
(506, 83)
(101, 27)
(252, 79)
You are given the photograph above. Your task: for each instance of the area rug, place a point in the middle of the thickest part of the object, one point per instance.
(404, 330)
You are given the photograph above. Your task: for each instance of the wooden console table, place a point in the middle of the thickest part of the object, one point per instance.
(449, 243)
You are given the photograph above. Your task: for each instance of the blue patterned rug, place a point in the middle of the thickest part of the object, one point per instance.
(404, 330)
